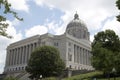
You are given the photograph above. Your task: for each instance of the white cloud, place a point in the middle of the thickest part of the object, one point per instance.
(113, 25)
(39, 2)
(4, 42)
(19, 5)
(91, 38)
(15, 22)
(12, 31)
(92, 13)
(38, 29)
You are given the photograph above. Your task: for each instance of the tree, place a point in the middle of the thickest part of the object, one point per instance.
(106, 51)
(6, 8)
(45, 61)
(118, 5)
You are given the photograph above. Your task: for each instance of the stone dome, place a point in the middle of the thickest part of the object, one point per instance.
(76, 22)
(77, 28)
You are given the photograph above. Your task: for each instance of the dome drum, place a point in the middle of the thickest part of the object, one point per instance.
(77, 28)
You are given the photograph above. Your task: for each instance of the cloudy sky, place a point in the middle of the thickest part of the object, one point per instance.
(52, 16)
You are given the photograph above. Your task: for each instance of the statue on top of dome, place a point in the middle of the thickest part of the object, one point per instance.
(76, 16)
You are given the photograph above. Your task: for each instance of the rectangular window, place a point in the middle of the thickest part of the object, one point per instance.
(43, 43)
(69, 44)
(56, 44)
(69, 49)
(69, 57)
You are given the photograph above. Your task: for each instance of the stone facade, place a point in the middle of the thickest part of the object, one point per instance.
(74, 47)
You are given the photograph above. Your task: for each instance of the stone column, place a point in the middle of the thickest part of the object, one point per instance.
(74, 53)
(24, 55)
(78, 54)
(81, 50)
(35, 45)
(12, 57)
(86, 56)
(7, 58)
(89, 58)
(90, 55)
(18, 55)
(15, 56)
(31, 49)
(21, 55)
(84, 59)
(82, 56)
(28, 52)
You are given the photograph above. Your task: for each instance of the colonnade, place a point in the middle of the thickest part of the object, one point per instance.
(19, 55)
(81, 55)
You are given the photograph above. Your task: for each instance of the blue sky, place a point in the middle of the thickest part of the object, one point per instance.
(52, 16)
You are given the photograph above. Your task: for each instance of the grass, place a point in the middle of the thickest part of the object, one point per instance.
(110, 79)
(87, 76)
(50, 78)
(90, 76)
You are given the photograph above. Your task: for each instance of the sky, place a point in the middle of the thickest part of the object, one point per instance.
(52, 16)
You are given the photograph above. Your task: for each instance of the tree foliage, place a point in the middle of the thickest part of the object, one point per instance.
(45, 61)
(5, 8)
(118, 5)
(106, 51)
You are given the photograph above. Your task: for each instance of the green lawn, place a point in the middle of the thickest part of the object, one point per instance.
(89, 76)
(110, 79)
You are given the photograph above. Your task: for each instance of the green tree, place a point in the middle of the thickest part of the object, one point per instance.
(106, 51)
(118, 5)
(5, 9)
(45, 61)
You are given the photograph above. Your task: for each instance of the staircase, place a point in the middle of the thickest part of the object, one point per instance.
(20, 75)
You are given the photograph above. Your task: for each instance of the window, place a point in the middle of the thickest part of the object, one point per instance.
(22, 68)
(19, 68)
(69, 44)
(35, 44)
(69, 57)
(43, 43)
(70, 66)
(69, 49)
(56, 44)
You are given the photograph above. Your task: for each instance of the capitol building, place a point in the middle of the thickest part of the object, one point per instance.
(74, 46)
